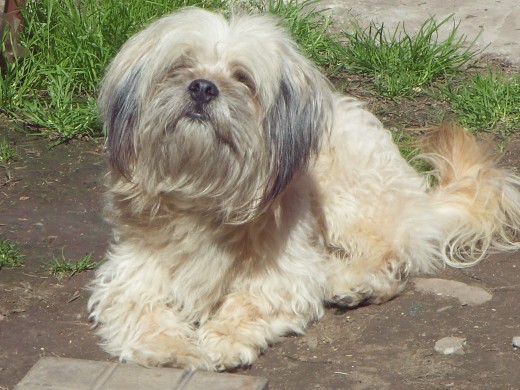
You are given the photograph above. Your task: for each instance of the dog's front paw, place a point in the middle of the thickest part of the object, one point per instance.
(230, 349)
(164, 350)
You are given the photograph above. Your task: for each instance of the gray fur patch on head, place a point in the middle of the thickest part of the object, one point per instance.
(294, 125)
(121, 117)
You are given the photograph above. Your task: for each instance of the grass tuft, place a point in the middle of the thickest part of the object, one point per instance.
(407, 144)
(64, 267)
(488, 102)
(310, 29)
(10, 255)
(7, 152)
(401, 64)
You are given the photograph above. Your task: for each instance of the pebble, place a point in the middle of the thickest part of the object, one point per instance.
(466, 294)
(516, 341)
(450, 346)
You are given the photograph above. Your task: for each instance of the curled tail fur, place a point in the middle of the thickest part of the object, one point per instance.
(482, 198)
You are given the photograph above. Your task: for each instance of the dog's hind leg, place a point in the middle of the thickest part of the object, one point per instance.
(353, 283)
(382, 224)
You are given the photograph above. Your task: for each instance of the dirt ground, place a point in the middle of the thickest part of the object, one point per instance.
(51, 207)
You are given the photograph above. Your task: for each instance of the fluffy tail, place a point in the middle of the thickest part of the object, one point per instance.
(480, 199)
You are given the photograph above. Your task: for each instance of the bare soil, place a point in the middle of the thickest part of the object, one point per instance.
(51, 206)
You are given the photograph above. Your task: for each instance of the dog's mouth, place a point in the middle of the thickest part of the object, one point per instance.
(197, 115)
(197, 112)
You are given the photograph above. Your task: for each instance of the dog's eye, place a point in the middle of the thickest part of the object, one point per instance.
(244, 78)
(181, 64)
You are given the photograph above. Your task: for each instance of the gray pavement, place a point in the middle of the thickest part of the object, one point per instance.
(72, 374)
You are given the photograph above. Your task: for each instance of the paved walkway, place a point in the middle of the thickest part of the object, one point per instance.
(72, 374)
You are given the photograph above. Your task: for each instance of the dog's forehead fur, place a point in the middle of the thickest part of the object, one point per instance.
(213, 44)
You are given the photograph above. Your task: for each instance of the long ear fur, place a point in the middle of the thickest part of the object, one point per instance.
(121, 112)
(296, 122)
(119, 108)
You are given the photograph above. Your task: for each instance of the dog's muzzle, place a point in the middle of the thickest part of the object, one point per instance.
(202, 92)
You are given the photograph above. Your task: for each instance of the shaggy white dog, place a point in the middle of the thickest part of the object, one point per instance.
(245, 193)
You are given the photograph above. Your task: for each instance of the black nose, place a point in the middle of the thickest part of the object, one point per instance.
(202, 91)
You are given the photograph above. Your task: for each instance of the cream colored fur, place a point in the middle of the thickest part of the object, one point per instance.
(237, 218)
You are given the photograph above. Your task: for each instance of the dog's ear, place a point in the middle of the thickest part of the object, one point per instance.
(119, 109)
(295, 123)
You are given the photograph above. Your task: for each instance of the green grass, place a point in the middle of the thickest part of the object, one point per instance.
(10, 255)
(7, 152)
(407, 144)
(310, 29)
(402, 64)
(64, 267)
(487, 102)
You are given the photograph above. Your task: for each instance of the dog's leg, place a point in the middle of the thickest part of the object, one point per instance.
(152, 336)
(247, 323)
(372, 205)
(384, 221)
(237, 334)
(131, 307)
(372, 277)
(262, 310)
(372, 255)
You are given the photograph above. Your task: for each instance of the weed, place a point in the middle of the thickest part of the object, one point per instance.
(10, 255)
(7, 152)
(68, 268)
(487, 102)
(309, 28)
(401, 64)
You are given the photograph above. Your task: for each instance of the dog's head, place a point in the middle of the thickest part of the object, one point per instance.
(216, 115)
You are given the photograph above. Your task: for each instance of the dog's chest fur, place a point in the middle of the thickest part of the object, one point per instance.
(205, 260)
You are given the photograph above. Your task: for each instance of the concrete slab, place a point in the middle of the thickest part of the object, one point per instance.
(497, 21)
(73, 374)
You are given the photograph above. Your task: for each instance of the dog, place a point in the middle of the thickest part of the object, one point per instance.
(245, 195)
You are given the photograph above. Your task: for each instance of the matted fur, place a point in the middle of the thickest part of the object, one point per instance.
(239, 212)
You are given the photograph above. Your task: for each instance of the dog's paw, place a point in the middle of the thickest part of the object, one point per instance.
(350, 299)
(226, 350)
(350, 289)
(170, 352)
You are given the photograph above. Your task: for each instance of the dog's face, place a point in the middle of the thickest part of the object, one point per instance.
(214, 115)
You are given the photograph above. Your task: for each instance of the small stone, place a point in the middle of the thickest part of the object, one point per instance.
(466, 294)
(516, 341)
(450, 346)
